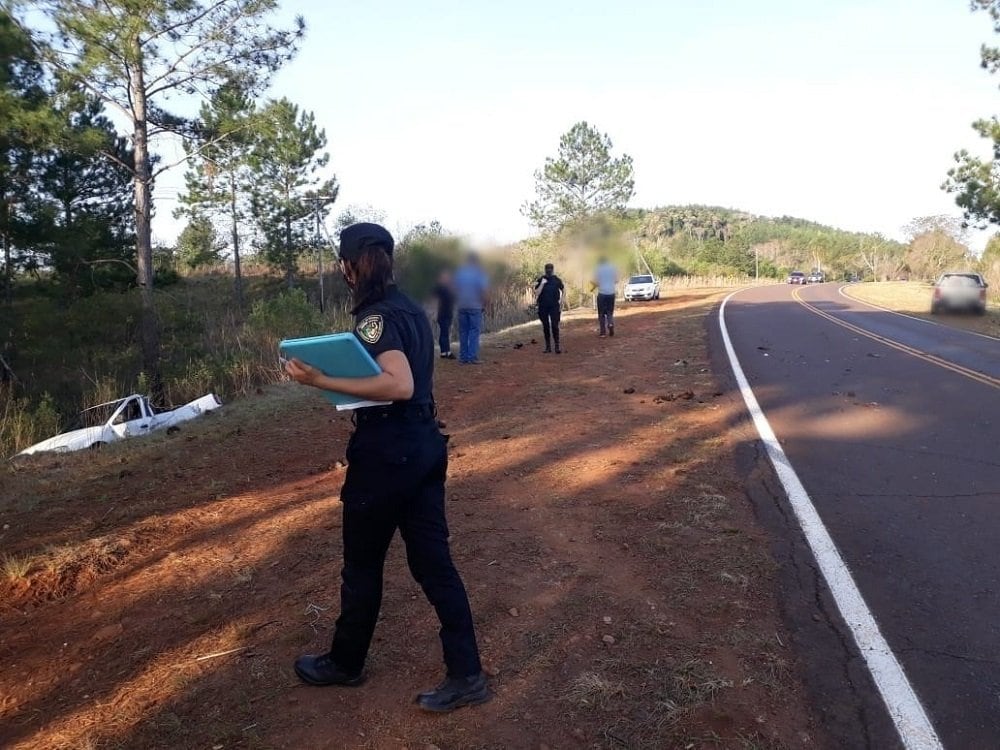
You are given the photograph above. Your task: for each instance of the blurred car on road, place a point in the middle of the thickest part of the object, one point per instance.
(644, 287)
(797, 277)
(959, 292)
(816, 277)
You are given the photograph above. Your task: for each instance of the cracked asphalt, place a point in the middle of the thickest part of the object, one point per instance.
(899, 453)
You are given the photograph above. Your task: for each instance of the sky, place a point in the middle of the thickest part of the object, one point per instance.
(846, 112)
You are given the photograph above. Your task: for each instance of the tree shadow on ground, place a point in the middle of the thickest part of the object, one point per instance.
(614, 505)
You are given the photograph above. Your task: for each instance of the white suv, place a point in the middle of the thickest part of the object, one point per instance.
(959, 292)
(642, 287)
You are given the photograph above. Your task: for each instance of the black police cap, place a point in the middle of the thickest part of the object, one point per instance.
(355, 238)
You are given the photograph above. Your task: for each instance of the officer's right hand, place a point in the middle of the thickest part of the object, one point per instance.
(300, 372)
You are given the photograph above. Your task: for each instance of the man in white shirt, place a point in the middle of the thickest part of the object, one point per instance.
(606, 283)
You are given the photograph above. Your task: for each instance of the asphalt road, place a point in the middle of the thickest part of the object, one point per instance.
(893, 426)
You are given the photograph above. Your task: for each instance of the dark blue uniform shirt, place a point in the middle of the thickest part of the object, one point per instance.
(397, 323)
(549, 292)
(446, 302)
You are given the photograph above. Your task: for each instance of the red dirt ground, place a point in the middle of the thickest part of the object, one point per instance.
(623, 592)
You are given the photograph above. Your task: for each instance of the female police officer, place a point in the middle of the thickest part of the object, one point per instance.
(397, 461)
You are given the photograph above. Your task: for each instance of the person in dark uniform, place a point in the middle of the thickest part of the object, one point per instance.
(549, 293)
(445, 313)
(397, 463)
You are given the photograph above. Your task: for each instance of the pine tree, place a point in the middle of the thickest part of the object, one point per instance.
(25, 123)
(288, 187)
(138, 57)
(198, 244)
(582, 180)
(88, 200)
(219, 178)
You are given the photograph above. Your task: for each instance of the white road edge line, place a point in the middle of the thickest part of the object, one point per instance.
(912, 723)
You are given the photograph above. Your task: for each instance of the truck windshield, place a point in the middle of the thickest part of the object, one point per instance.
(98, 415)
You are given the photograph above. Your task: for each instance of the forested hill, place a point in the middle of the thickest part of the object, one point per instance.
(709, 239)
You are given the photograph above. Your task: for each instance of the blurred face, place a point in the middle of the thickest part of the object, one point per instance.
(348, 272)
(549, 270)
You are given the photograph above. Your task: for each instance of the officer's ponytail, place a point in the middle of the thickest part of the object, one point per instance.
(371, 274)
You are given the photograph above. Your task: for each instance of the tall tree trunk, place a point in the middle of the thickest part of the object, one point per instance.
(7, 326)
(8, 268)
(289, 260)
(234, 215)
(7, 353)
(8, 273)
(67, 201)
(143, 183)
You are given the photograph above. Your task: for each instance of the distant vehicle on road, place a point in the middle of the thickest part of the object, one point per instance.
(959, 292)
(125, 418)
(816, 277)
(643, 287)
(797, 277)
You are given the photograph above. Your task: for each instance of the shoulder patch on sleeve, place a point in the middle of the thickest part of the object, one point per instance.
(370, 329)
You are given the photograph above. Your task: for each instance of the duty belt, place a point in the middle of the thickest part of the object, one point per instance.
(402, 412)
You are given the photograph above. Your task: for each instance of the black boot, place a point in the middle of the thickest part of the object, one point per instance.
(456, 692)
(548, 347)
(321, 670)
(558, 350)
(611, 330)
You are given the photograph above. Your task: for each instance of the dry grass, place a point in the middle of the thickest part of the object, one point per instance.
(707, 282)
(58, 570)
(591, 690)
(914, 298)
(670, 693)
(695, 682)
(16, 567)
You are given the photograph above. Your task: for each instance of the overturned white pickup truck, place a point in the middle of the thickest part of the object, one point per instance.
(116, 420)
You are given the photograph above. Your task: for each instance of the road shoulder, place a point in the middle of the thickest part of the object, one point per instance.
(912, 299)
(624, 592)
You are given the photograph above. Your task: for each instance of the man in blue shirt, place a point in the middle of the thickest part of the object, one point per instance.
(471, 288)
(606, 283)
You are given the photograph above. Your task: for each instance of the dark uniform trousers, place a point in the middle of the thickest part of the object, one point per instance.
(606, 311)
(549, 315)
(444, 334)
(396, 480)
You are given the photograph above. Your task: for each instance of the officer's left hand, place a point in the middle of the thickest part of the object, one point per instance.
(300, 372)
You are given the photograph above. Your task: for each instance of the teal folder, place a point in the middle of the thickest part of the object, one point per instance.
(339, 355)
